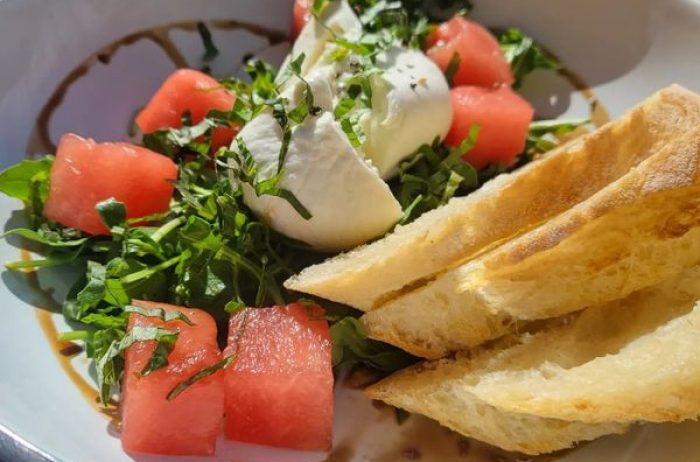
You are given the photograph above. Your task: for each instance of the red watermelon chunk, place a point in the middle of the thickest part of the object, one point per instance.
(503, 118)
(301, 16)
(481, 60)
(279, 390)
(187, 90)
(85, 173)
(190, 423)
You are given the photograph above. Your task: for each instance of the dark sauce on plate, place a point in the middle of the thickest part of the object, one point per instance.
(40, 139)
(63, 351)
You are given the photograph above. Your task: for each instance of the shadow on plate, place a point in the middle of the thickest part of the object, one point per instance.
(26, 287)
(603, 41)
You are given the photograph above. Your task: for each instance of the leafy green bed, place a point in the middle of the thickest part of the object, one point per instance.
(209, 250)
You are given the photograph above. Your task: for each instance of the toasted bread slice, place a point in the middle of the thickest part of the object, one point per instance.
(506, 206)
(638, 231)
(441, 391)
(655, 378)
(462, 393)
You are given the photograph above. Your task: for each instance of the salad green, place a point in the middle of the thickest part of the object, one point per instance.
(209, 250)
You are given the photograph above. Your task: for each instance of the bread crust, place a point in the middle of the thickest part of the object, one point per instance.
(567, 382)
(426, 390)
(634, 233)
(507, 206)
(654, 378)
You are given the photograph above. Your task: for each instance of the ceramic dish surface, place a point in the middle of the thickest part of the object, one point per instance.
(104, 58)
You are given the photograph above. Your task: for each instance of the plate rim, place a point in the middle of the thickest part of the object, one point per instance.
(14, 447)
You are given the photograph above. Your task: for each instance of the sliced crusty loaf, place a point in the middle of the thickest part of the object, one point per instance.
(453, 391)
(504, 207)
(654, 378)
(636, 232)
(438, 392)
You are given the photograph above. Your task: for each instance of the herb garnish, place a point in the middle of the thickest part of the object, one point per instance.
(434, 175)
(204, 373)
(210, 50)
(546, 135)
(209, 249)
(524, 55)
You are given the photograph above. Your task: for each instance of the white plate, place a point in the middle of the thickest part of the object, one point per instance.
(624, 49)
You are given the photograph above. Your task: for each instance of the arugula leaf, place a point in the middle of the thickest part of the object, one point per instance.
(28, 181)
(405, 22)
(45, 236)
(209, 249)
(351, 345)
(16, 181)
(58, 259)
(524, 55)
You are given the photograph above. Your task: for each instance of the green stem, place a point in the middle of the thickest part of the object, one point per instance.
(200, 190)
(164, 230)
(147, 272)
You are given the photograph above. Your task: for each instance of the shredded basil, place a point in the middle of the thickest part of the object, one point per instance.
(210, 50)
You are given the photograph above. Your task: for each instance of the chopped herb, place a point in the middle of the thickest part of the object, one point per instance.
(317, 7)
(112, 212)
(545, 135)
(452, 68)
(351, 346)
(524, 55)
(344, 107)
(209, 249)
(158, 359)
(204, 373)
(224, 363)
(433, 176)
(352, 129)
(109, 370)
(210, 50)
(160, 313)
